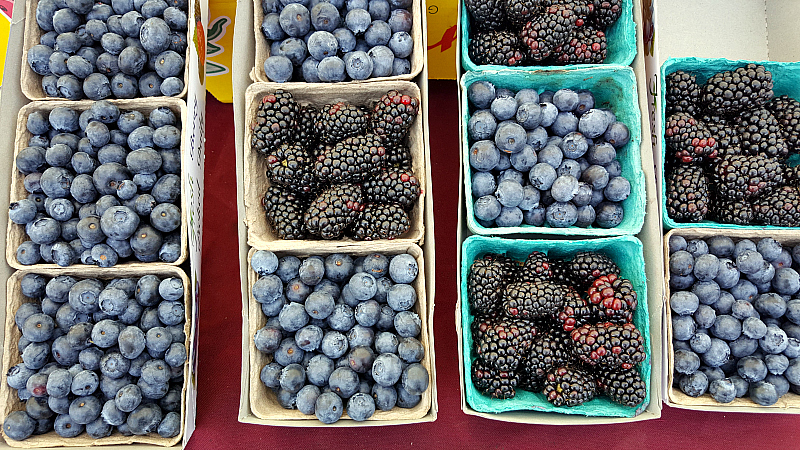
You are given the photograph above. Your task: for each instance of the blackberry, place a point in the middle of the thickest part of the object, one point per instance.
(787, 111)
(687, 194)
(500, 48)
(284, 212)
(486, 281)
(535, 268)
(399, 157)
(511, 265)
(532, 300)
(547, 352)
(585, 45)
(502, 343)
(569, 386)
(585, 267)
(731, 211)
(760, 132)
(725, 134)
(605, 12)
(396, 186)
(333, 211)
(747, 177)
(624, 387)
(731, 92)
(305, 128)
(275, 122)
(379, 221)
(351, 160)
(291, 166)
(548, 30)
(608, 345)
(340, 121)
(575, 311)
(519, 12)
(688, 141)
(392, 117)
(492, 382)
(560, 272)
(781, 208)
(683, 93)
(614, 298)
(487, 14)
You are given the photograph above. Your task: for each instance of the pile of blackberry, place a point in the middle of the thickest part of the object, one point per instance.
(728, 142)
(540, 32)
(562, 328)
(341, 170)
(735, 318)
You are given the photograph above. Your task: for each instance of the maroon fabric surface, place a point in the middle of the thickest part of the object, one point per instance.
(220, 340)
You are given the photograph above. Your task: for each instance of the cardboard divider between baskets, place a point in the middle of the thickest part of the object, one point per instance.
(259, 233)
(16, 233)
(264, 403)
(12, 357)
(417, 57)
(31, 82)
(789, 403)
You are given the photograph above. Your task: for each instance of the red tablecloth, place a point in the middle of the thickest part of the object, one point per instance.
(220, 340)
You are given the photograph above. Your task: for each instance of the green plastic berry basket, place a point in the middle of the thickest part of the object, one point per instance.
(614, 87)
(786, 81)
(626, 251)
(621, 43)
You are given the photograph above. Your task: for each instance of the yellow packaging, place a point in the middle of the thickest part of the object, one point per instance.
(442, 33)
(219, 49)
(6, 11)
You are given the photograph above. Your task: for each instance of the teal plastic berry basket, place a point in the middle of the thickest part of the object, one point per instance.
(621, 43)
(786, 81)
(626, 251)
(614, 87)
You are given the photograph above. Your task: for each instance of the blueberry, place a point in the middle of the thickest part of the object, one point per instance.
(763, 393)
(683, 327)
(487, 208)
(774, 341)
(617, 134)
(480, 93)
(403, 268)
(593, 123)
(561, 215)
(718, 354)
(18, 425)
(175, 18)
(564, 188)
(700, 343)
(753, 328)
(328, 407)
(609, 214)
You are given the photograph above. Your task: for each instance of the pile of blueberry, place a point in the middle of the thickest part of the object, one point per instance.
(544, 158)
(340, 330)
(103, 186)
(119, 48)
(337, 40)
(99, 355)
(735, 318)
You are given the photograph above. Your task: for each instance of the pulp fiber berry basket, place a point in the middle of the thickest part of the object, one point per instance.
(621, 43)
(614, 88)
(626, 251)
(786, 81)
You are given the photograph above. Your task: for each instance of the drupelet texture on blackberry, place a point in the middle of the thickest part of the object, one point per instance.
(787, 111)
(486, 281)
(500, 48)
(608, 345)
(688, 141)
(760, 132)
(585, 267)
(574, 312)
(724, 132)
(560, 272)
(687, 194)
(501, 343)
(380, 221)
(605, 12)
(737, 212)
(585, 45)
(305, 132)
(532, 300)
(291, 166)
(399, 157)
(781, 208)
(395, 186)
(569, 386)
(547, 352)
(351, 160)
(499, 384)
(392, 117)
(335, 209)
(520, 12)
(487, 14)
(625, 387)
(284, 211)
(731, 92)
(683, 93)
(275, 122)
(511, 265)
(535, 268)
(614, 298)
(747, 177)
(548, 30)
(339, 121)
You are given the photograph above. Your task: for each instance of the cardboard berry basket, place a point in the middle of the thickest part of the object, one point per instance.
(417, 57)
(621, 43)
(263, 401)
(16, 233)
(613, 87)
(259, 233)
(12, 357)
(786, 81)
(788, 403)
(31, 81)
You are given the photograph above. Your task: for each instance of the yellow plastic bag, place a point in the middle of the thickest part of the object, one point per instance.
(219, 49)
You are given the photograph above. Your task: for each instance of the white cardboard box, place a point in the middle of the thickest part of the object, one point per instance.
(193, 131)
(654, 268)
